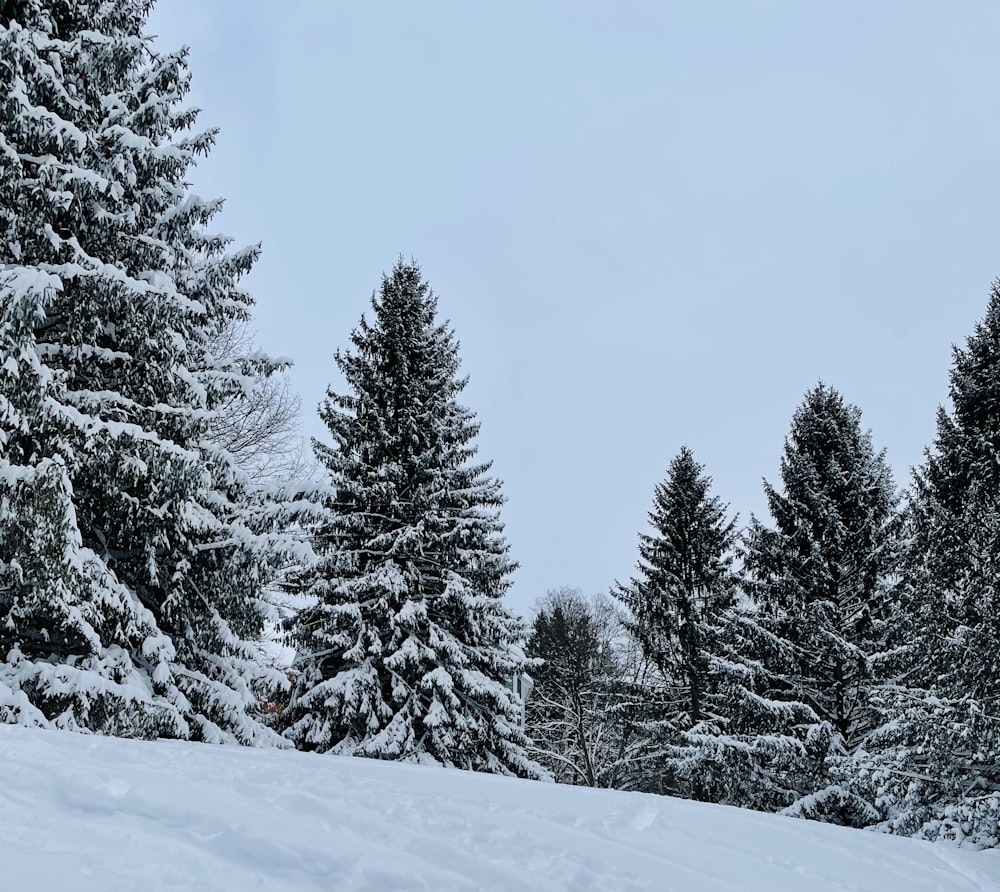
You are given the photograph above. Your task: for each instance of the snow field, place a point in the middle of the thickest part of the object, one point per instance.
(97, 814)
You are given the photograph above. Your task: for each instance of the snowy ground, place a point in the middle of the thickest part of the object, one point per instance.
(88, 813)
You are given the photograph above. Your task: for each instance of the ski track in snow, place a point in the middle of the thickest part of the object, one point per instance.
(97, 814)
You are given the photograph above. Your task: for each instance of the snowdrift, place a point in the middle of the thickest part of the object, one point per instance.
(96, 814)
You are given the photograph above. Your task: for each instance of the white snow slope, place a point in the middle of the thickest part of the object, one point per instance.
(91, 813)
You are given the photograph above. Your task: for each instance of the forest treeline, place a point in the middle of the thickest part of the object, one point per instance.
(836, 660)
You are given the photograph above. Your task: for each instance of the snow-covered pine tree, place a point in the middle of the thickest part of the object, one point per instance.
(952, 571)
(820, 576)
(132, 551)
(684, 583)
(409, 651)
(710, 731)
(929, 769)
(933, 766)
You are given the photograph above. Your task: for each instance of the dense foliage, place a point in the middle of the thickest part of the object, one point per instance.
(408, 651)
(133, 550)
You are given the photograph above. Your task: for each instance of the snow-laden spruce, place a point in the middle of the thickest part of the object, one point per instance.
(953, 562)
(409, 649)
(821, 574)
(133, 552)
(709, 729)
(930, 767)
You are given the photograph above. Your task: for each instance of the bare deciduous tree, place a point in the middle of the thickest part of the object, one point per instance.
(576, 716)
(260, 426)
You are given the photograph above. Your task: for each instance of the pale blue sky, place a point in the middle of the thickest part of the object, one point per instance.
(650, 223)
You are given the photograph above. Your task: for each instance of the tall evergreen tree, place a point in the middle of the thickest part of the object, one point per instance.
(711, 731)
(409, 649)
(821, 575)
(685, 582)
(952, 578)
(933, 767)
(132, 551)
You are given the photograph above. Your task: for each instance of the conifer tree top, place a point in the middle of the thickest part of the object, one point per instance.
(964, 455)
(691, 531)
(832, 475)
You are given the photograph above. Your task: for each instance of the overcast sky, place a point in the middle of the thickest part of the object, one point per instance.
(650, 223)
